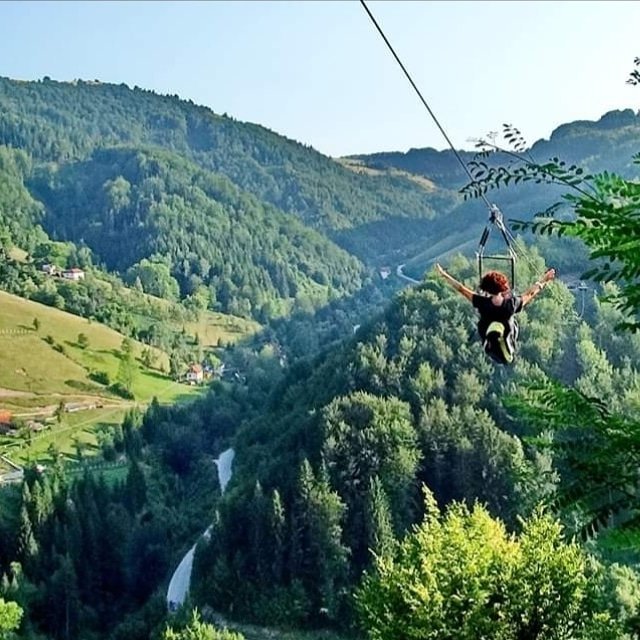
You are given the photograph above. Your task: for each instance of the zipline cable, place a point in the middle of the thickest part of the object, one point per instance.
(495, 215)
(492, 208)
(422, 99)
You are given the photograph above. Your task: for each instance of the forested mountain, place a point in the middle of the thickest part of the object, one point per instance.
(159, 218)
(608, 144)
(334, 467)
(61, 122)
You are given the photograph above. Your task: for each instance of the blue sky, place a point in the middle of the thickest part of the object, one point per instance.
(319, 73)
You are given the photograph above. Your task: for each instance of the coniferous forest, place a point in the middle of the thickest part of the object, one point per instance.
(389, 480)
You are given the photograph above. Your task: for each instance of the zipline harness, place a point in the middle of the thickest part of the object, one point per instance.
(495, 218)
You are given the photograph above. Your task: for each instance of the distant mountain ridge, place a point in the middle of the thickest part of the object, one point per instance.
(608, 144)
(589, 142)
(90, 150)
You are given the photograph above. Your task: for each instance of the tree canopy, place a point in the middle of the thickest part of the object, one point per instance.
(461, 575)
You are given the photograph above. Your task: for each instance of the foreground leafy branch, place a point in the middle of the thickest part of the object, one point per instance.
(605, 212)
(597, 452)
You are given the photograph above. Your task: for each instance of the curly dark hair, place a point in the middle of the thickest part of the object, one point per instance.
(494, 282)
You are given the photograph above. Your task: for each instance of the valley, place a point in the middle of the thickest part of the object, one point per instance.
(178, 286)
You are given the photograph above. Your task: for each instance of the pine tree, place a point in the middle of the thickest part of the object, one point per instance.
(320, 557)
(259, 551)
(136, 486)
(378, 522)
(276, 536)
(63, 591)
(27, 544)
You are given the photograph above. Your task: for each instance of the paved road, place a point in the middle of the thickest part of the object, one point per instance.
(400, 274)
(181, 578)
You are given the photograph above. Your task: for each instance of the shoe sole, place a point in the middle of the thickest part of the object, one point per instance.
(496, 329)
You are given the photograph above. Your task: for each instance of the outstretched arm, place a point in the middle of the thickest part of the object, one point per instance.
(458, 286)
(536, 288)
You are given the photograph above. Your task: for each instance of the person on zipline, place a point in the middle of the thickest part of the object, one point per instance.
(497, 306)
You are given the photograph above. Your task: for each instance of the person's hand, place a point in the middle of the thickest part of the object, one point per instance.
(549, 275)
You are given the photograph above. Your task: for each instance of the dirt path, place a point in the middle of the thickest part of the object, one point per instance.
(12, 393)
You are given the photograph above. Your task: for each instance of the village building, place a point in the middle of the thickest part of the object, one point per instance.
(195, 374)
(50, 269)
(73, 407)
(73, 274)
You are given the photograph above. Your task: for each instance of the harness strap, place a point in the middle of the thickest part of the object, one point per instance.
(496, 219)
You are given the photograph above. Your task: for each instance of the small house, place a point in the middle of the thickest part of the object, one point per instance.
(195, 374)
(385, 272)
(50, 269)
(6, 422)
(73, 274)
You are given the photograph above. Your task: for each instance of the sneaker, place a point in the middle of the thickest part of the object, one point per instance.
(495, 339)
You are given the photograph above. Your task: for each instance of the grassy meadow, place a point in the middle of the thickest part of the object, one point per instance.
(214, 329)
(33, 366)
(44, 366)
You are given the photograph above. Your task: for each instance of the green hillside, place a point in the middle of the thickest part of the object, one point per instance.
(47, 366)
(144, 211)
(47, 370)
(608, 144)
(63, 122)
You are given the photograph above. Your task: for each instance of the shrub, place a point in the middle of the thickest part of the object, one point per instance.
(101, 377)
(119, 390)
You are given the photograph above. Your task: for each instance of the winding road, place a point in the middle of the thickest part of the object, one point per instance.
(181, 578)
(400, 274)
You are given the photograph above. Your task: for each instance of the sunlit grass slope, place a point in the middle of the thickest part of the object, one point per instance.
(49, 360)
(44, 366)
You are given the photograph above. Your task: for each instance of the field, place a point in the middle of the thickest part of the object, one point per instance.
(74, 437)
(212, 327)
(43, 365)
(215, 328)
(357, 166)
(49, 361)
